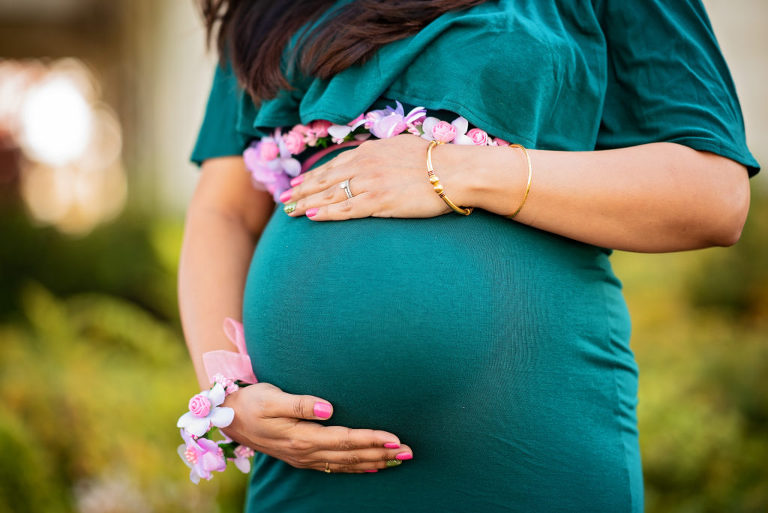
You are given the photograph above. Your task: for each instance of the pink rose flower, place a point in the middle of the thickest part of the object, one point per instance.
(500, 142)
(196, 424)
(269, 150)
(294, 142)
(200, 406)
(320, 127)
(444, 132)
(479, 137)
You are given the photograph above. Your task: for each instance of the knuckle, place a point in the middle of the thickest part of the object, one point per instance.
(345, 442)
(293, 462)
(303, 462)
(328, 194)
(352, 459)
(345, 206)
(298, 407)
(299, 446)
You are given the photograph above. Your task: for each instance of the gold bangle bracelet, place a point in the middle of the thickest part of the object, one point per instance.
(435, 181)
(530, 179)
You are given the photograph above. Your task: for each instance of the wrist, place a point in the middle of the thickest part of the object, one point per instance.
(487, 177)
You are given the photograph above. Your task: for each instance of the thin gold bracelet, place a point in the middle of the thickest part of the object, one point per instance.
(530, 179)
(435, 181)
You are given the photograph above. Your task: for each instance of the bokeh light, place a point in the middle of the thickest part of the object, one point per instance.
(56, 121)
(72, 175)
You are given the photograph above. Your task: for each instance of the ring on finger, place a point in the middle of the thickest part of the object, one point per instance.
(345, 185)
(327, 468)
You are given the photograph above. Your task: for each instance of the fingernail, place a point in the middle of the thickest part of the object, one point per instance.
(391, 445)
(404, 456)
(312, 212)
(286, 195)
(322, 410)
(372, 470)
(296, 181)
(393, 463)
(289, 207)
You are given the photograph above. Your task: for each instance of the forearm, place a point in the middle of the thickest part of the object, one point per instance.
(224, 220)
(651, 198)
(212, 270)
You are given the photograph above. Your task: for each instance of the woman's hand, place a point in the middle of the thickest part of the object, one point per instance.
(387, 178)
(655, 197)
(276, 423)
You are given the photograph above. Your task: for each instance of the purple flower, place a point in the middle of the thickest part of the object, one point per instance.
(219, 416)
(202, 456)
(389, 122)
(276, 173)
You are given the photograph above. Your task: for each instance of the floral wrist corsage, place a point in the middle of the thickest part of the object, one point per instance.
(202, 454)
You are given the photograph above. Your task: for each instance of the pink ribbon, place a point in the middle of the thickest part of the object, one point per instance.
(236, 366)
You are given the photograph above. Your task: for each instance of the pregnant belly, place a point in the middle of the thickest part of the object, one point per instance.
(472, 337)
(396, 318)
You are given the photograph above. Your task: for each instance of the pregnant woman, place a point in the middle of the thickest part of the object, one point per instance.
(414, 354)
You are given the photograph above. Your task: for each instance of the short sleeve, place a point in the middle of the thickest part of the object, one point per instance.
(218, 135)
(667, 80)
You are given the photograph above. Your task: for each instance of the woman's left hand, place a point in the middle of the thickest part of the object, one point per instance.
(387, 178)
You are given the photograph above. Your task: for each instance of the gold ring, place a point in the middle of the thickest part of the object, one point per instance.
(327, 469)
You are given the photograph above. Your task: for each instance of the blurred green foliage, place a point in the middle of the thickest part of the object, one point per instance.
(94, 373)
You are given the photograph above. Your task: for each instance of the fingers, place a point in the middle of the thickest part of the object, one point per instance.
(331, 195)
(319, 179)
(275, 403)
(361, 460)
(316, 437)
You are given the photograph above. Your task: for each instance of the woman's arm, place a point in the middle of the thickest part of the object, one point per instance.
(224, 220)
(652, 198)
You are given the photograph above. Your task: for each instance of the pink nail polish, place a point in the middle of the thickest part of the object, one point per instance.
(296, 181)
(286, 196)
(322, 410)
(311, 212)
(391, 445)
(372, 470)
(404, 456)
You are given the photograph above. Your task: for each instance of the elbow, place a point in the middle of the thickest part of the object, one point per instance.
(731, 212)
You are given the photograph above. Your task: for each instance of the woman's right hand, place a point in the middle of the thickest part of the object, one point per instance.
(279, 424)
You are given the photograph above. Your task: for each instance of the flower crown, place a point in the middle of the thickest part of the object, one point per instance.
(271, 159)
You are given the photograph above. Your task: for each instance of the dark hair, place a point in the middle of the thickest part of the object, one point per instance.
(254, 33)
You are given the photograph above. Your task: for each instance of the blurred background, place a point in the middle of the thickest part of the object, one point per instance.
(100, 102)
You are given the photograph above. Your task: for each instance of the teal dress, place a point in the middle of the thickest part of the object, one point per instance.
(498, 352)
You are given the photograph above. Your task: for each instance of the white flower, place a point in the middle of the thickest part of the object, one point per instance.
(219, 416)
